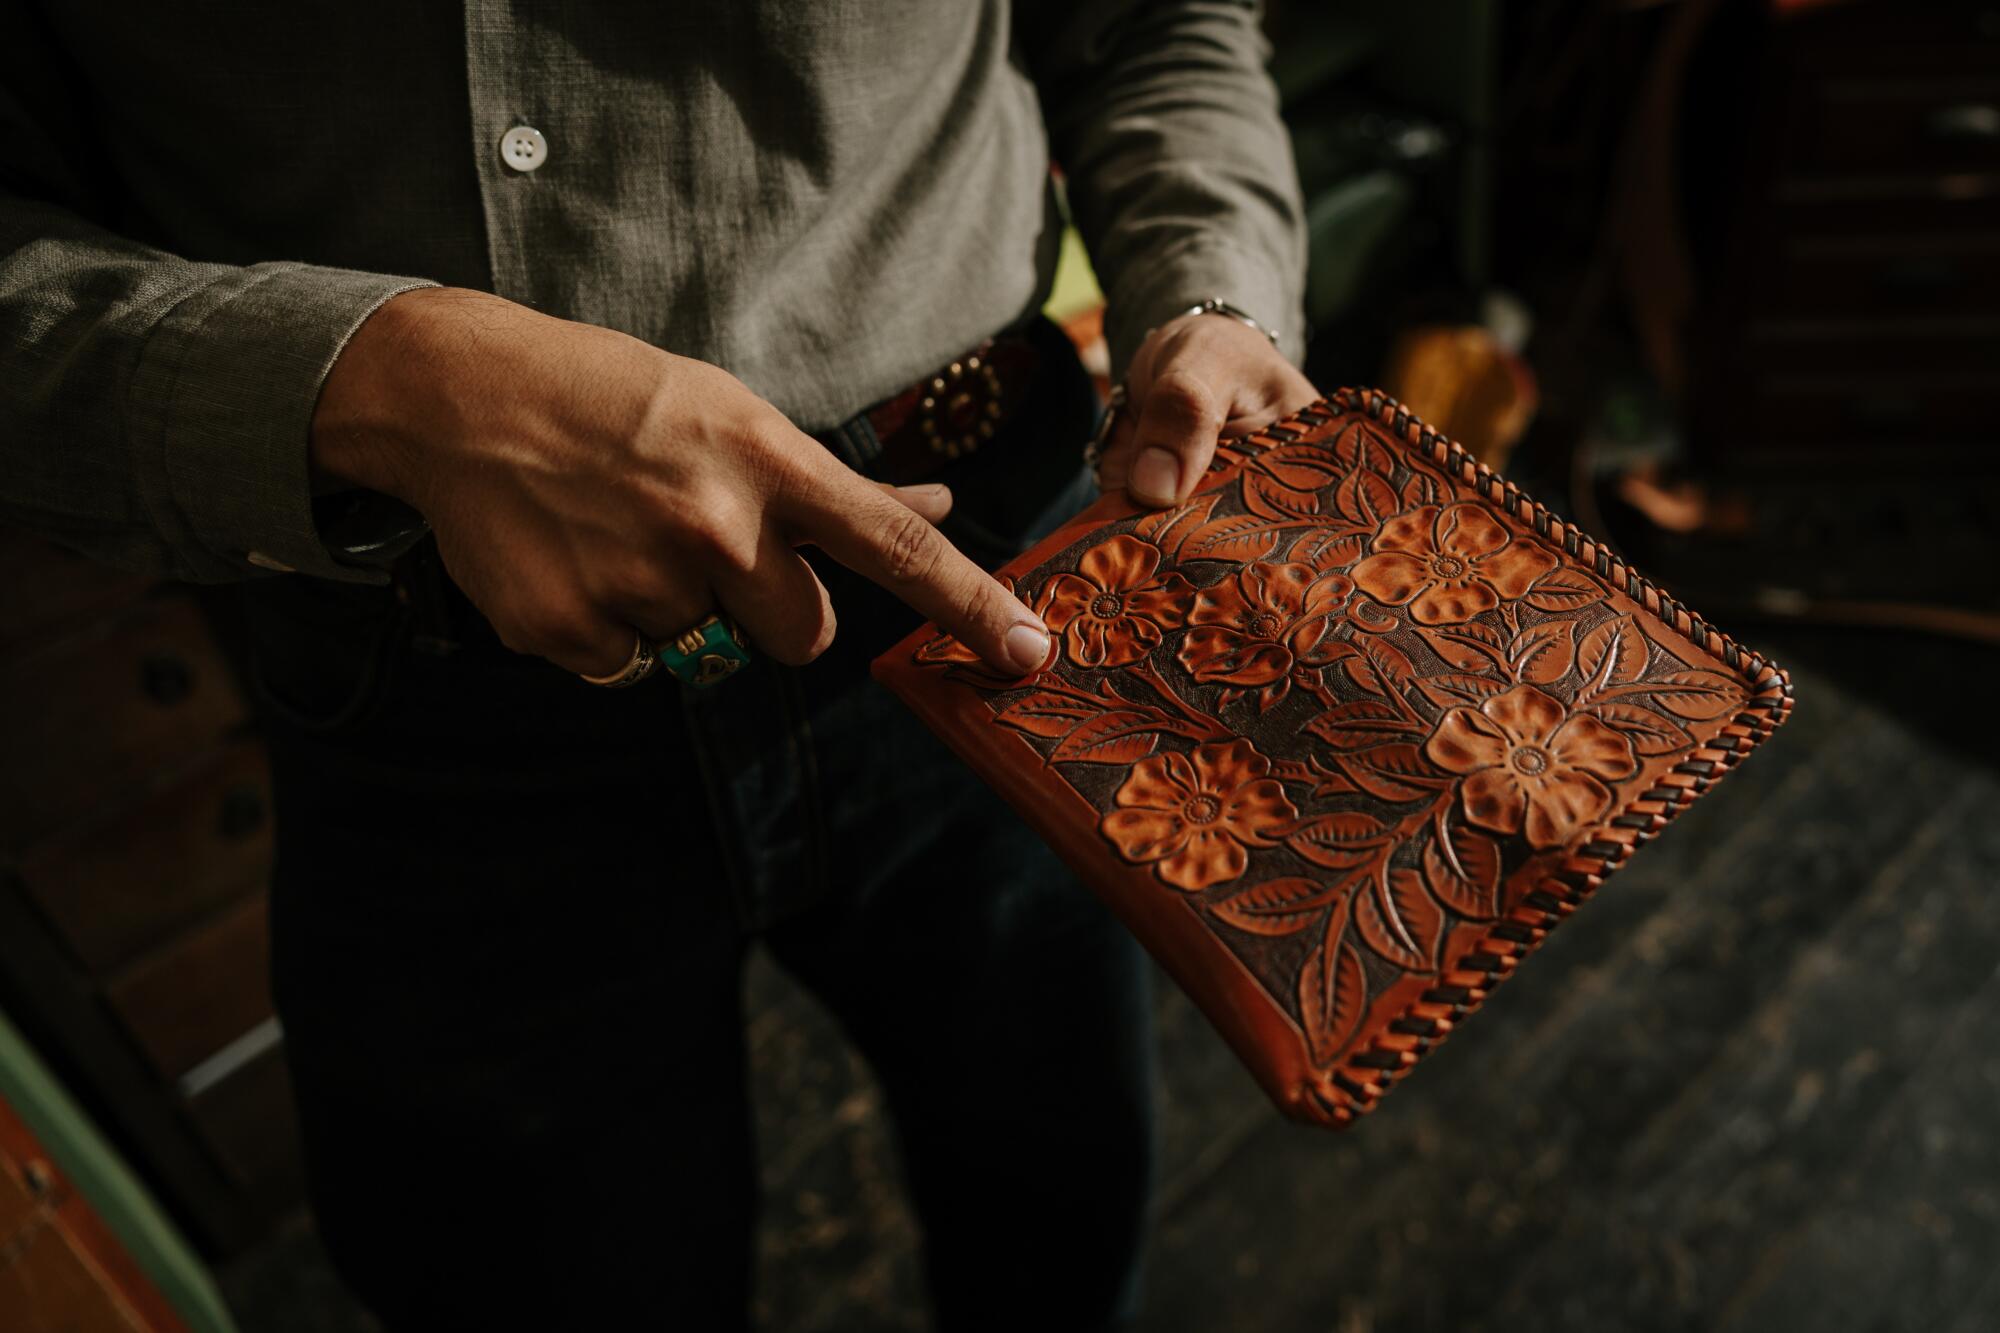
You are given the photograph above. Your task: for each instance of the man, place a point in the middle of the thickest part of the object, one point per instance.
(654, 314)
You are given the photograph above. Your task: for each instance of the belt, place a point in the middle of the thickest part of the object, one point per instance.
(943, 417)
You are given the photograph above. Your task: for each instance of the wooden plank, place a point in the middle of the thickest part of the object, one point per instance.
(110, 710)
(189, 1000)
(249, 1122)
(1908, 1235)
(61, 1268)
(60, 1011)
(123, 883)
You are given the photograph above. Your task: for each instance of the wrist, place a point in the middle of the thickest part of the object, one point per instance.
(384, 397)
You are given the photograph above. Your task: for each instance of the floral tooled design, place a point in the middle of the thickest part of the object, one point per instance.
(1195, 816)
(1525, 760)
(1449, 563)
(1113, 610)
(1253, 629)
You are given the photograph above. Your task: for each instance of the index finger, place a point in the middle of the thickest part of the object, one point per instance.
(897, 548)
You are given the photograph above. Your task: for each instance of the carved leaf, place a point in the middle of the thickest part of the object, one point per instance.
(1358, 723)
(1563, 590)
(1464, 872)
(945, 648)
(1697, 695)
(1268, 499)
(1398, 920)
(1359, 448)
(1110, 738)
(1420, 489)
(1275, 907)
(1331, 782)
(1299, 469)
(1046, 714)
(1389, 661)
(1329, 548)
(1612, 654)
(1648, 731)
(1450, 690)
(1333, 993)
(1393, 772)
(1167, 525)
(1381, 668)
(1364, 614)
(1244, 538)
(1467, 647)
(1542, 653)
(1169, 528)
(1366, 499)
(1338, 842)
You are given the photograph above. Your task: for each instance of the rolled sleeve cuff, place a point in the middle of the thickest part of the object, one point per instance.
(1150, 294)
(223, 400)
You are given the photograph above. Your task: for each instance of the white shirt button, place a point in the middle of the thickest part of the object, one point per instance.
(523, 148)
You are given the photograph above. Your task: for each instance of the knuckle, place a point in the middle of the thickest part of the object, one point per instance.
(634, 580)
(911, 548)
(722, 537)
(1184, 396)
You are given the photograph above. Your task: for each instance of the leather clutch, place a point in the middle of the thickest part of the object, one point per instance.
(1344, 736)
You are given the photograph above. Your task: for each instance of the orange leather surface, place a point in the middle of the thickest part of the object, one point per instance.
(1341, 738)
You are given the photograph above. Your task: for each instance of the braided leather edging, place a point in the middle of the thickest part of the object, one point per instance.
(1464, 984)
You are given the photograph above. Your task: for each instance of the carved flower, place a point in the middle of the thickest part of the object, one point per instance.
(1449, 563)
(1196, 815)
(1522, 759)
(1251, 629)
(1112, 610)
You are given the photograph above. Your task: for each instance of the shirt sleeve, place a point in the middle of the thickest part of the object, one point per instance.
(1178, 168)
(155, 413)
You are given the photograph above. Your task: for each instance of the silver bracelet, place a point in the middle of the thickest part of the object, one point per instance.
(1093, 452)
(1217, 306)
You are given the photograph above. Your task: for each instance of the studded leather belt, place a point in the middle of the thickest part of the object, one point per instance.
(944, 417)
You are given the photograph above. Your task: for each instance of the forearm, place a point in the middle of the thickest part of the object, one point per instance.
(1178, 167)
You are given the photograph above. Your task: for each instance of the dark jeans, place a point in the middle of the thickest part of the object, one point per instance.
(509, 921)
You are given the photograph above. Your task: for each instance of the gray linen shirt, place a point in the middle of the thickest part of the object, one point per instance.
(199, 203)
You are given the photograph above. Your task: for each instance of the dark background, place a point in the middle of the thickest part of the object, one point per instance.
(1720, 279)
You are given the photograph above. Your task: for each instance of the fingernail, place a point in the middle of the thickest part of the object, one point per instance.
(1156, 476)
(930, 490)
(1027, 647)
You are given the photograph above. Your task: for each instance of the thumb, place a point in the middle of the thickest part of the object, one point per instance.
(1179, 419)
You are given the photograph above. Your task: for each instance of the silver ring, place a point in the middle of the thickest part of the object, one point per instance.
(643, 662)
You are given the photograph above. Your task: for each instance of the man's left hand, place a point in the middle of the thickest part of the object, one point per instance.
(1196, 379)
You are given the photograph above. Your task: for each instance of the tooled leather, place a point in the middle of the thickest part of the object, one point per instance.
(1372, 717)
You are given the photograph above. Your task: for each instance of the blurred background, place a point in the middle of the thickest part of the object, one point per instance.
(1720, 280)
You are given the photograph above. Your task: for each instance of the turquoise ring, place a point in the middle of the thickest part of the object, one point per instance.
(704, 653)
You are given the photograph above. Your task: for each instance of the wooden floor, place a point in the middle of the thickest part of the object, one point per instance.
(1752, 1087)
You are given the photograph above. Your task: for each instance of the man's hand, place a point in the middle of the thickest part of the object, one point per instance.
(583, 484)
(1195, 379)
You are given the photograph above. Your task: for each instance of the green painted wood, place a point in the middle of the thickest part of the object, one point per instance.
(82, 1155)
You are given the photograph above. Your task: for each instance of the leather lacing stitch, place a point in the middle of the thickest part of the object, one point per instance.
(1464, 985)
